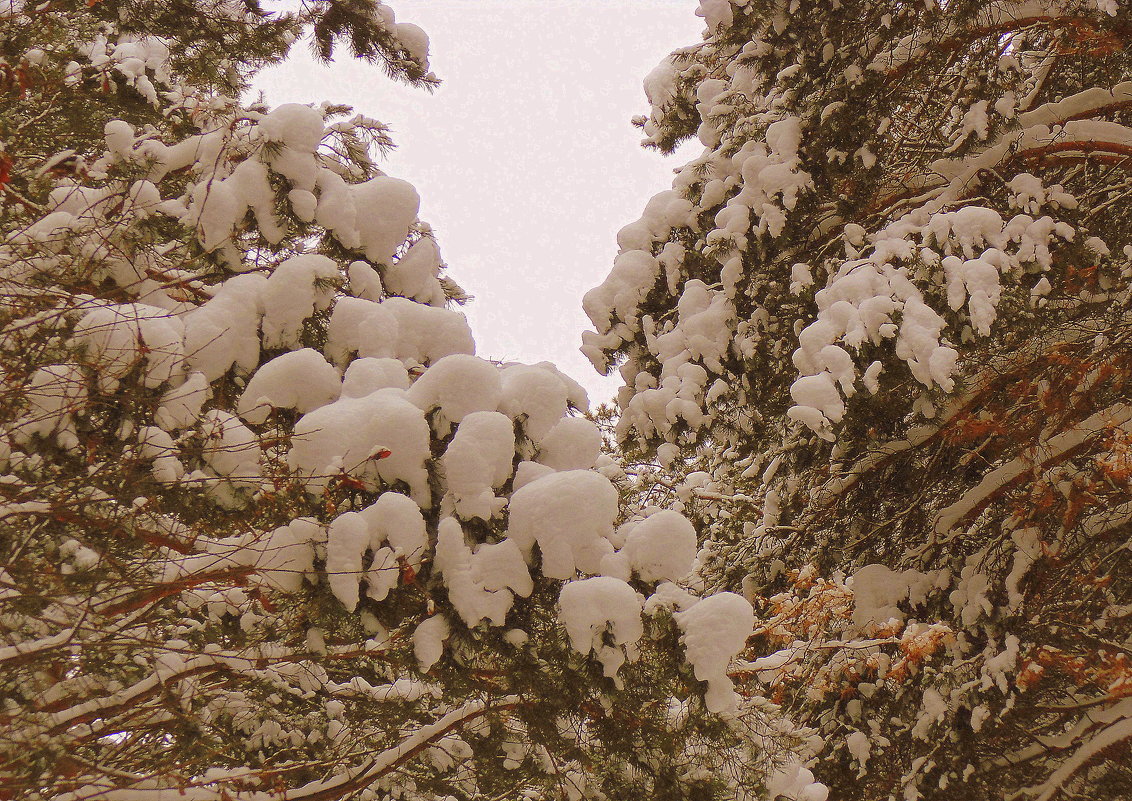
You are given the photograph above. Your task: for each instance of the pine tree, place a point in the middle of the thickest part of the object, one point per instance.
(874, 337)
(269, 529)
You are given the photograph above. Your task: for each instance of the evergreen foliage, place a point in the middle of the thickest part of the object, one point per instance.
(268, 528)
(874, 340)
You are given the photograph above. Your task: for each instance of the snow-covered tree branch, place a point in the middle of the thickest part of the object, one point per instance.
(885, 307)
(270, 528)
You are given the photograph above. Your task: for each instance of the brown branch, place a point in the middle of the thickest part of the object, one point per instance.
(152, 595)
(972, 34)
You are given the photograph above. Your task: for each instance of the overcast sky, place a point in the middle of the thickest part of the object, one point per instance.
(524, 158)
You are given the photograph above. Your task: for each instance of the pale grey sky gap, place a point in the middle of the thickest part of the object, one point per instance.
(524, 159)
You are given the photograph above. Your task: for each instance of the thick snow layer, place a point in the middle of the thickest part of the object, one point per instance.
(976, 281)
(456, 386)
(218, 205)
(715, 630)
(662, 547)
(481, 584)
(180, 407)
(428, 641)
(281, 557)
(249, 181)
(303, 203)
(117, 338)
(656, 409)
(231, 450)
(593, 608)
(796, 782)
(660, 84)
(392, 529)
(633, 275)
(396, 328)
(346, 545)
(363, 327)
(576, 395)
(664, 211)
(669, 597)
(285, 555)
(416, 274)
(133, 57)
(716, 13)
(397, 526)
(414, 40)
(386, 208)
(370, 374)
(365, 282)
(427, 334)
(301, 379)
(296, 132)
(350, 436)
(224, 332)
(573, 444)
(294, 126)
(157, 446)
(408, 690)
(479, 460)
(819, 392)
(772, 183)
(527, 472)
(336, 210)
(1028, 544)
(535, 397)
(202, 151)
(860, 746)
(971, 227)
(859, 305)
(570, 515)
(702, 330)
(295, 290)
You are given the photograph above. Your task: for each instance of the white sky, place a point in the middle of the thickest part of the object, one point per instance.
(524, 158)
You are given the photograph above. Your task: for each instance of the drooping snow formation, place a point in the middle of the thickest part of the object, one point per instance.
(300, 379)
(870, 342)
(272, 528)
(661, 547)
(570, 516)
(594, 606)
(715, 630)
(478, 462)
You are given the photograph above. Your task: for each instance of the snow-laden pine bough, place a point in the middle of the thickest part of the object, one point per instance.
(874, 344)
(271, 529)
